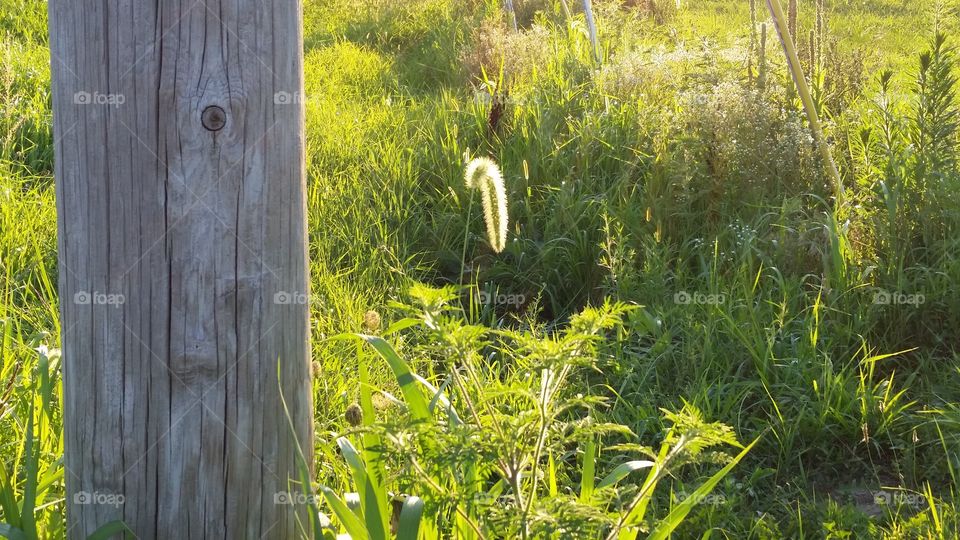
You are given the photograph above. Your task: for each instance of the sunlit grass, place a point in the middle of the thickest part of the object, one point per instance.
(663, 175)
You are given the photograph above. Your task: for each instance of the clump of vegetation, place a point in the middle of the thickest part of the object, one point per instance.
(484, 453)
(754, 151)
(500, 49)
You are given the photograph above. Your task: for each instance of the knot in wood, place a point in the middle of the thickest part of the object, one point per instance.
(213, 118)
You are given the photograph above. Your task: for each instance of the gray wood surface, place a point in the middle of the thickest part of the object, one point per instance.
(183, 266)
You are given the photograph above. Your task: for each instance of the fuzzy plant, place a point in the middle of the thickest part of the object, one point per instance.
(819, 38)
(792, 13)
(483, 175)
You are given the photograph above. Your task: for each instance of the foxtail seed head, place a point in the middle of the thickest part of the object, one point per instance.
(484, 175)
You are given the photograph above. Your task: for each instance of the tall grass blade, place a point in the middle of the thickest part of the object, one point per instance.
(416, 403)
(32, 456)
(589, 470)
(635, 516)
(303, 471)
(622, 471)
(348, 519)
(439, 396)
(373, 497)
(8, 500)
(932, 505)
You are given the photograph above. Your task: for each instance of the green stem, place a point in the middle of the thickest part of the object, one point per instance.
(466, 236)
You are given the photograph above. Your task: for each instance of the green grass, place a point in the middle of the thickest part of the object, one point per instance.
(668, 169)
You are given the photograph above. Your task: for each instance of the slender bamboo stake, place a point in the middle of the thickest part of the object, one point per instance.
(511, 14)
(780, 22)
(592, 27)
(753, 38)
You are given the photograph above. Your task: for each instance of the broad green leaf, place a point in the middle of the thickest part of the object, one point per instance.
(27, 520)
(622, 471)
(415, 401)
(589, 470)
(371, 440)
(111, 529)
(440, 396)
(12, 533)
(410, 515)
(646, 493)
(373, 498)
(347, 518)
(401, 325)
(8, 499)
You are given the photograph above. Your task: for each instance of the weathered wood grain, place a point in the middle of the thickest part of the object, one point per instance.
(183, 271)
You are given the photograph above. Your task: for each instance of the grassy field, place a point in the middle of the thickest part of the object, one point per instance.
(675, 181)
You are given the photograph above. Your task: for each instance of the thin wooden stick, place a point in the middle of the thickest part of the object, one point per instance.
(780, 22)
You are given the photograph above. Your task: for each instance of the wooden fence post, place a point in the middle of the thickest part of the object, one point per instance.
(183, 265)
